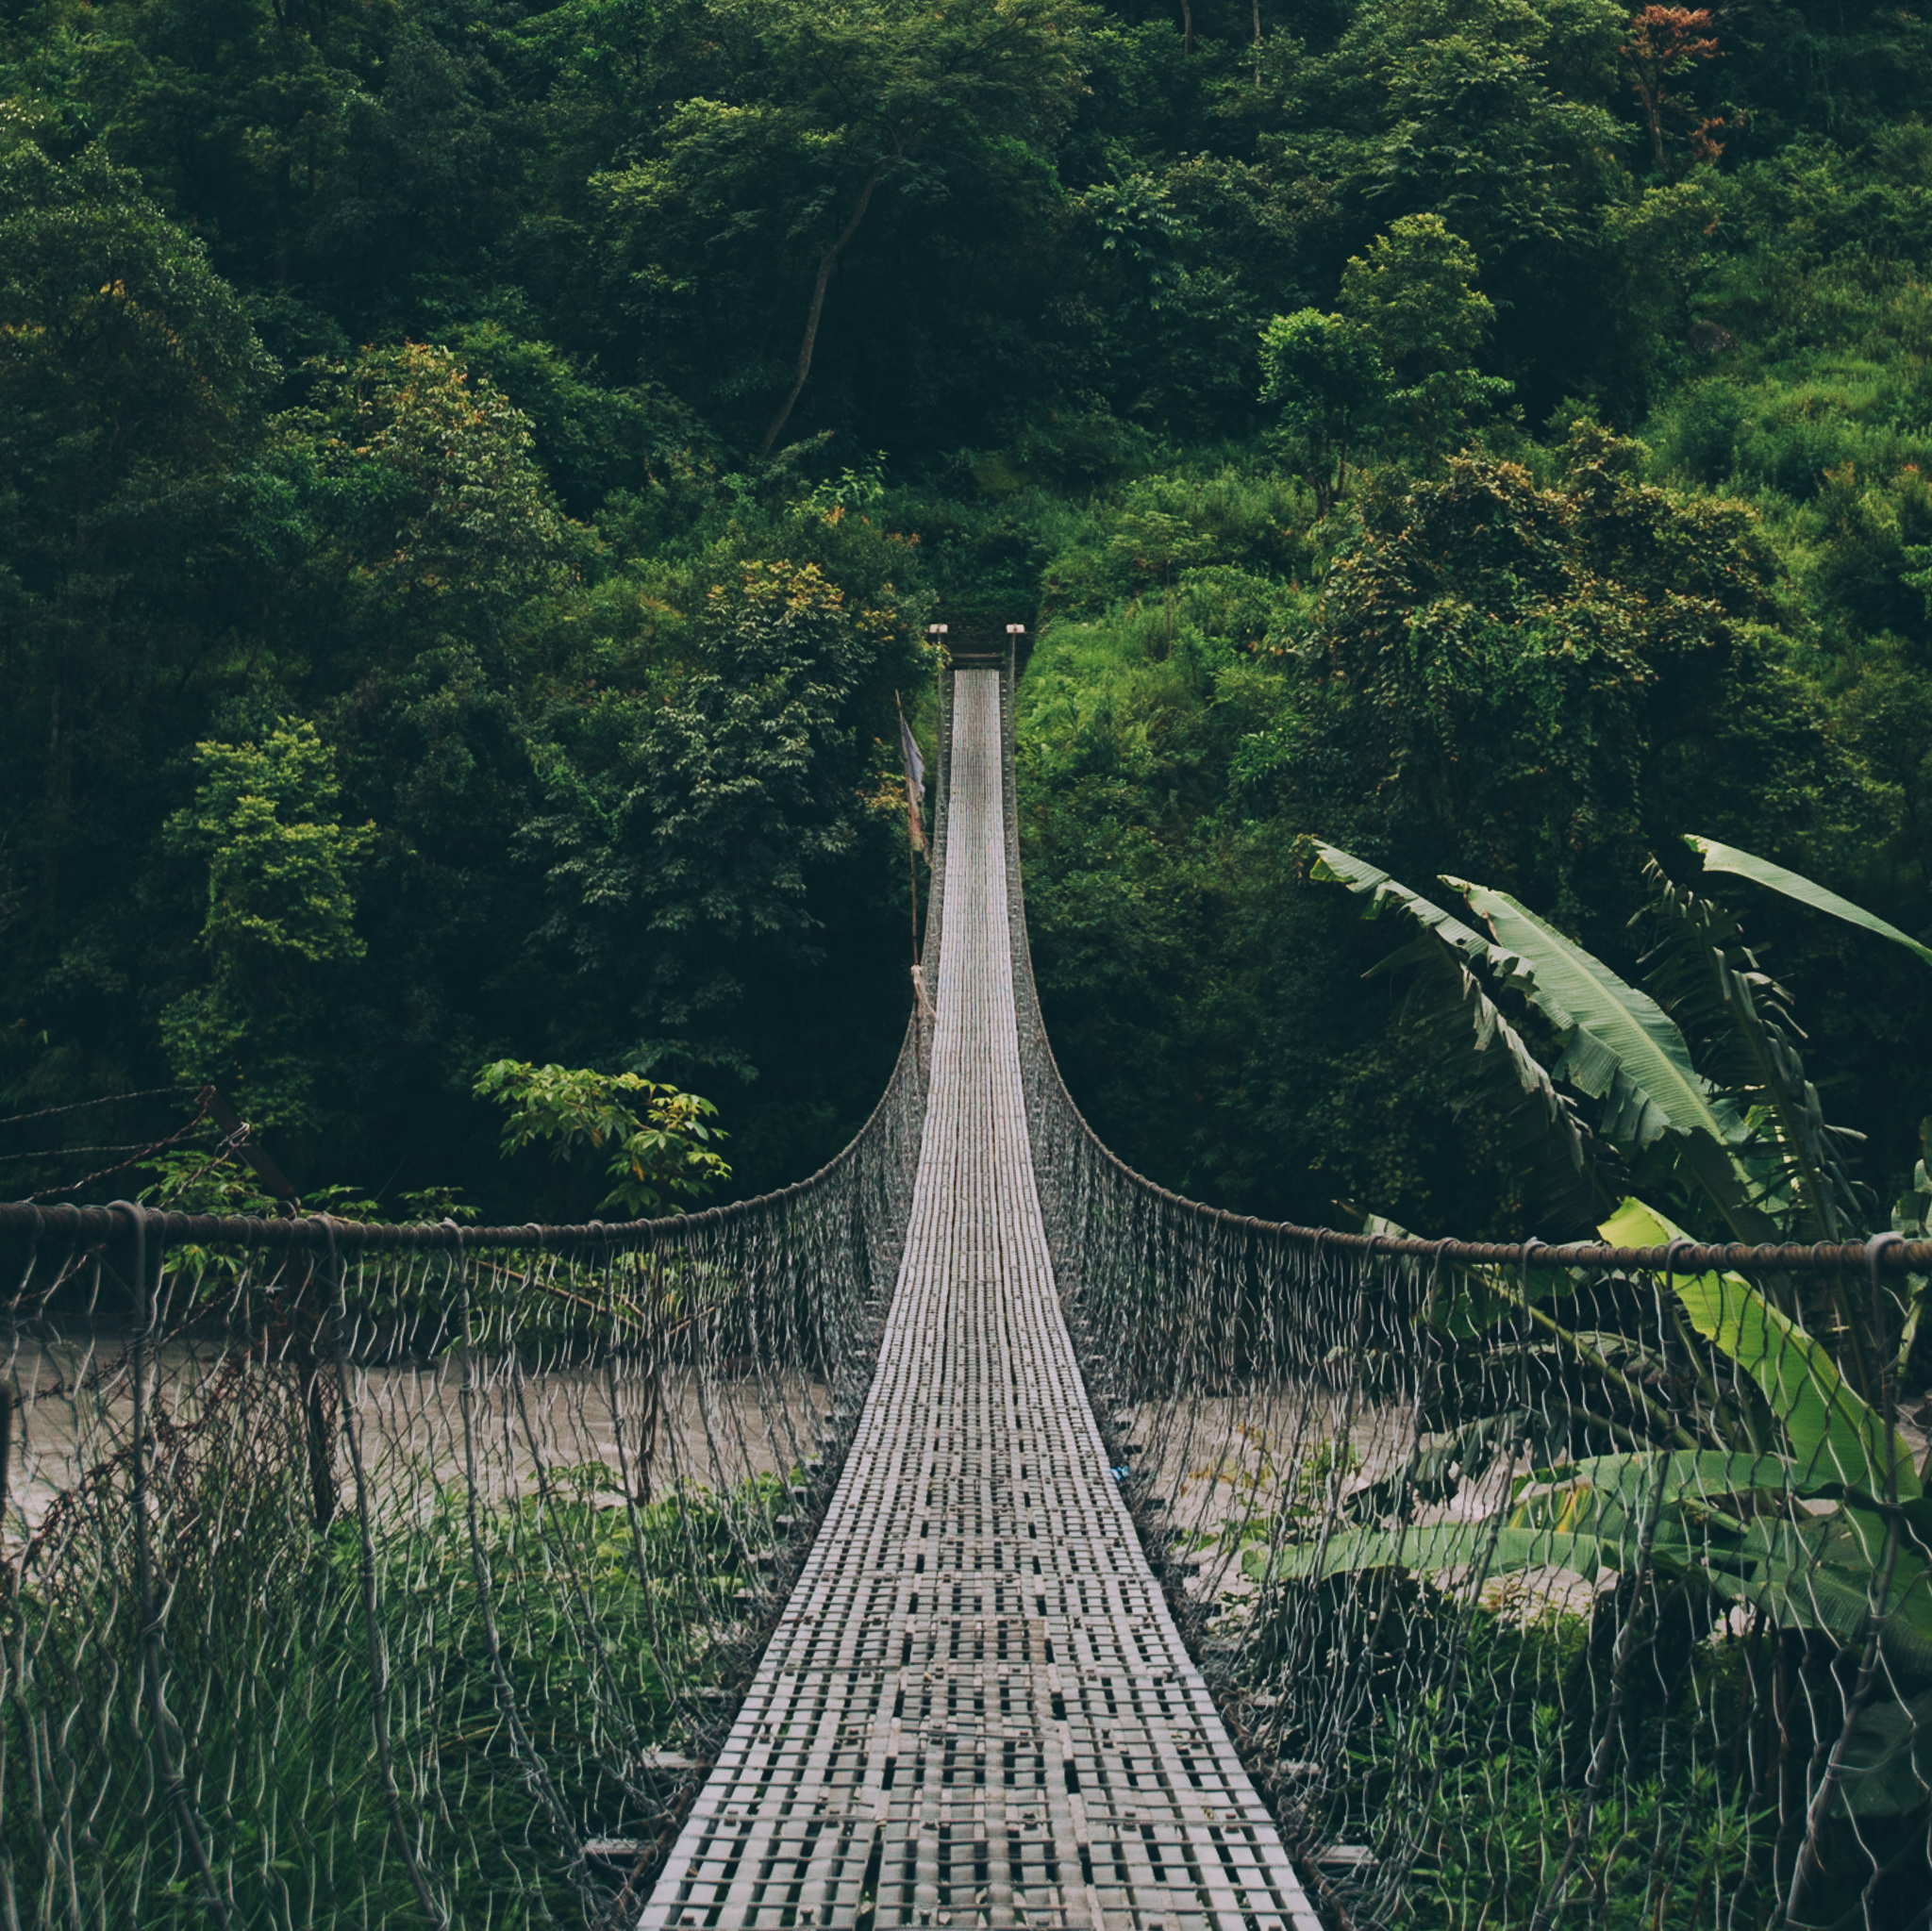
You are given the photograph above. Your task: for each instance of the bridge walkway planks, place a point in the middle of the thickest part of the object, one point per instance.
(976, 1709)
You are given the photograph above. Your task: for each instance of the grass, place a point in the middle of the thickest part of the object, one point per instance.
(599, 1609)
(1458, 1742)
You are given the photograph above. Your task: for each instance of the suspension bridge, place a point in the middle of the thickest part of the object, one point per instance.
(973, 1534)
(976, 1708)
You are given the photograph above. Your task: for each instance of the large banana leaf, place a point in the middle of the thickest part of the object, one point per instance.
(1606, 1495)
(1794, 885)
(1887, 1759)
(1837, 1440)
(1438, 1547)
(1816, 1574)
(1456, 1551)
(1558, 1155)
(1622, 1047)
(1707, 972)
(1336, 867)
(1621, 1044)
(1819, 1573)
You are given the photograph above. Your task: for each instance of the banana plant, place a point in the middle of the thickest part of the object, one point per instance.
(1750, 1150)
(1787, 1523)
(1573, 1174)
(1619, 1047)
(1776, 1488)
(1912, 1215)
(1734, 1132)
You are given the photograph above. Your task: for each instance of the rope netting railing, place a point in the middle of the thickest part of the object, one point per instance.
(1538, 1586)
(358, 1575)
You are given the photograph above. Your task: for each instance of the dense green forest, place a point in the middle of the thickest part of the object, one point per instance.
(474, 476)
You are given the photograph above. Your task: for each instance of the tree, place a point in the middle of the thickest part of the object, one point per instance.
(126, 369)
(765, 185)
(1484, 135)
(1665, 42)
(424, 485)
(1329, 381)
(1529, 658)
(689, 860)
(1174, 319)
(656, 1140)
(1413, 295)
(281, 914)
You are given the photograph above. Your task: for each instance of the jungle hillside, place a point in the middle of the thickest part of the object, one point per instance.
(476, 479)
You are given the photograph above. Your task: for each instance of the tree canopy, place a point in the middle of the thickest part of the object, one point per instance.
(474, 475)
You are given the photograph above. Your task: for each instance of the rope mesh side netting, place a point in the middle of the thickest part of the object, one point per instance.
(360, 1575)
(1538, 1586)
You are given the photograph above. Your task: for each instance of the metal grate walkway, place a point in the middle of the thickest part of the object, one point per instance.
(976, 1709)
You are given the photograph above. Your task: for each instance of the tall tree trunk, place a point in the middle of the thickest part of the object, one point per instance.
(1652, 118)
(826, 263)
(1187, 26)
(1256, 5)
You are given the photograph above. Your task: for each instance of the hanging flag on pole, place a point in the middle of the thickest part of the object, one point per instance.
(915, 779)
(915, 764)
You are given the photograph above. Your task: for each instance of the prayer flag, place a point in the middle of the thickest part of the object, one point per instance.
(915, 780)
(915, 764)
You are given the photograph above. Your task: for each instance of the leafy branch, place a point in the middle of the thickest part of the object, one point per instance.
(656, 1140)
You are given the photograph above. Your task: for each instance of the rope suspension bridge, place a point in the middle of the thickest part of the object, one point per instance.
(973, 1534)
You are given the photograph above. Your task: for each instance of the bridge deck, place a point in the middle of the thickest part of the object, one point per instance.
(976, 1709)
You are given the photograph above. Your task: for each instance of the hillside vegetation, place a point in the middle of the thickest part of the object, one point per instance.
(474, 476)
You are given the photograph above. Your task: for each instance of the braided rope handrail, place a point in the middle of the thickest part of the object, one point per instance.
(322, 1231)
(1885, 1251)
